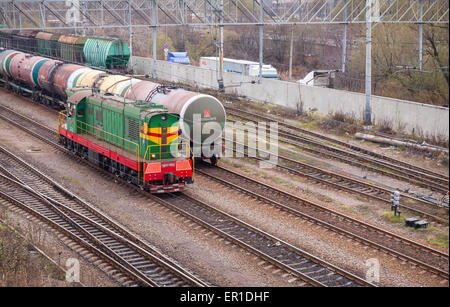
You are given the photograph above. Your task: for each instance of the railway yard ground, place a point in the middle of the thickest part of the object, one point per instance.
(213, 257)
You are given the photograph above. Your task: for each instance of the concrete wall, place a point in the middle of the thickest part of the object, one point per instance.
(411, 117)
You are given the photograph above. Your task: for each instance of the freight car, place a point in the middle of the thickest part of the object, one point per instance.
(105, 53)
(135, 140)
(48, 44)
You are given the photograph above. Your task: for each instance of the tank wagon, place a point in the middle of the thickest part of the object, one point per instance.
(135, 140)
(102, 52)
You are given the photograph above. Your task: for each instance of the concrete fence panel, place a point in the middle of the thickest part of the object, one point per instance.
(407, 116)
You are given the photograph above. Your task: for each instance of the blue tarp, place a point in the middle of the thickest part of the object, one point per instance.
(178, 57)
(177, 54)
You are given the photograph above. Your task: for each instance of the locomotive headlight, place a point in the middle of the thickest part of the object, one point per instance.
(163, 118)
(153, 156)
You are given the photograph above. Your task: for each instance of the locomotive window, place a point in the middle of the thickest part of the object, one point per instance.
(99, 116)
(80, 111)
(90, 111)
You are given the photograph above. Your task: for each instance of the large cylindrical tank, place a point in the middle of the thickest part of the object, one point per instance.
(110, 83)
(205, 110)
(124, 86)
(5, 61)
(61, 75)
(72, 81)
(141, 90)
(89, 78)
(186, 104)
(47, 73)
(25, 68)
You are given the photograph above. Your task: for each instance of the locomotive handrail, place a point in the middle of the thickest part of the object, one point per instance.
(61, 117)
(105, 137)
(185, 148)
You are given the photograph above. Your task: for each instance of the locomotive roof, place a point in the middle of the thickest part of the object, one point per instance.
(145, 108)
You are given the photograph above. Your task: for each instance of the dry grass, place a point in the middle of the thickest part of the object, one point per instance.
(385, 126)
(20, 266)
(341, 123)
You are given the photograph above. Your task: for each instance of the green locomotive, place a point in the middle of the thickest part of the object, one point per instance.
(136, 140)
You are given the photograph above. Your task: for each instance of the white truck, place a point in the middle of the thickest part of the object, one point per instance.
(247, 68)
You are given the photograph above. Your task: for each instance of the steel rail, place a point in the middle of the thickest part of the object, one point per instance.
(95, 218)
(54, 143)
(47, 129)
(345, 183)
(246, 230)
(330, 220)
(391, 162)
(365, 162)
(70, 229)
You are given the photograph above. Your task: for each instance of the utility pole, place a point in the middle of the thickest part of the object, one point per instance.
(344, 38)
(20, 19)
(368, 115)
(221, 44)
(420, 34)
(155, 32)
(130, 33)
(261, 33)
(83, 19)
(291, 51)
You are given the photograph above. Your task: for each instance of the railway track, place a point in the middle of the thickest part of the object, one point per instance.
(320, 145)
(417, 206)
(432, 260)
(367, 164)
(311, 270)
(308, 268)
(348, 184)
(132, 262)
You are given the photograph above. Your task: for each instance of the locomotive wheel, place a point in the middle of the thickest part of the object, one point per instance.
(213, 160)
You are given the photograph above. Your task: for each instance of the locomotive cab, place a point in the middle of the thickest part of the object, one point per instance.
(167, 153)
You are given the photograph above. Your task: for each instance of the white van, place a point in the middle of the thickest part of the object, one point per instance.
(268, 71)
(247, 68)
